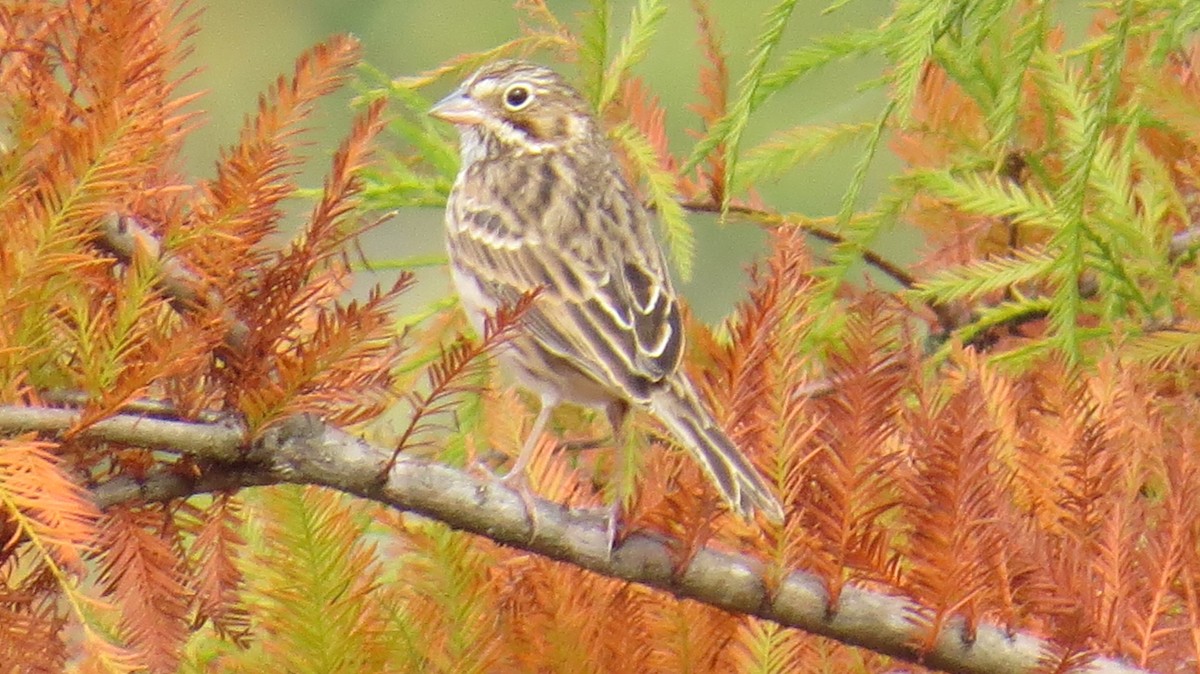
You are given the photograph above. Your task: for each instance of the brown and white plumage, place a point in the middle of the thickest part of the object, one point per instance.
(540, 203)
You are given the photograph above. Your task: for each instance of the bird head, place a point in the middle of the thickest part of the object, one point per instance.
(523, 106)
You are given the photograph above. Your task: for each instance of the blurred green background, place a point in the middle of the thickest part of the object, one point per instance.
(243, 47)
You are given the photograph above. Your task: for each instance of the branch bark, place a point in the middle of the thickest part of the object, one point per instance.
(303, 450)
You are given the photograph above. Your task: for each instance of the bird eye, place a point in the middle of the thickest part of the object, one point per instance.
(517, 96)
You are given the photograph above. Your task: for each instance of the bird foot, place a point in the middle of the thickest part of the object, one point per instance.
(516, 480)
(612, 523)
(513, 477)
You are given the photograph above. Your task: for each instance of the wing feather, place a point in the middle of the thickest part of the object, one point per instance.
(606, 303)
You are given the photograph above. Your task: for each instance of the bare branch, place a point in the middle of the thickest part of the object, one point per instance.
(166, 484)
(219, 442)
(303, 450)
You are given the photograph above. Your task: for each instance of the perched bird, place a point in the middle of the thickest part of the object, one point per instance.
(540, 202)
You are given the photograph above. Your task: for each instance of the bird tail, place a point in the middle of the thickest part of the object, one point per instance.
(688, 419)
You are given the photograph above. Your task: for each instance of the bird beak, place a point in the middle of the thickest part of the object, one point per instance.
(458, 108)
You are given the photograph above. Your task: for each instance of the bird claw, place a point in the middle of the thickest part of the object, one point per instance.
(520, 484)
(611, 524)
(516, 480)
(513, 478)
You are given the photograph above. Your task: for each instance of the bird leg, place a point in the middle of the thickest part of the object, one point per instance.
(516, 477)
(618, 414)
(531, 441)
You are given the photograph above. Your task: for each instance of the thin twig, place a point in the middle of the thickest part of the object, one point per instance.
(1181, 244)
(764, 217)
(944, 315)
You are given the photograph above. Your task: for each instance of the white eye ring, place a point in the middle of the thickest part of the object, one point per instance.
(517, 96)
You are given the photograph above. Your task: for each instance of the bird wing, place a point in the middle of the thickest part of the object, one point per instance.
(605, 304)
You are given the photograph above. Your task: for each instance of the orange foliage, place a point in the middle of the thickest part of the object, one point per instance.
(1062, 499)
(1047, 501)
(93, 130)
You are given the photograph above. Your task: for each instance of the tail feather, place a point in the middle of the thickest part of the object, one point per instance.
(679, 407)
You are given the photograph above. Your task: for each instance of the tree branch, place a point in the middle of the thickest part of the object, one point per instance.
(166, 484)
(219, 442)
(303, 450)
(122, 235)
(1182, 244)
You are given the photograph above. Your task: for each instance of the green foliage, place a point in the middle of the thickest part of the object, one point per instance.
(593, 50)
(1166, 348)
(1048, 182)
(996, 317)
(1053, 187)
(991, 196)
(423, 175)
(825, 50)
(678, 233)
(313, 575)
(309, 589)
(915, 29)
(791, 147)
(858, 235)
(1083, 127)
(979, 278)
(439, 578)
(1005, 112)
(728, 131)
(643, 24)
